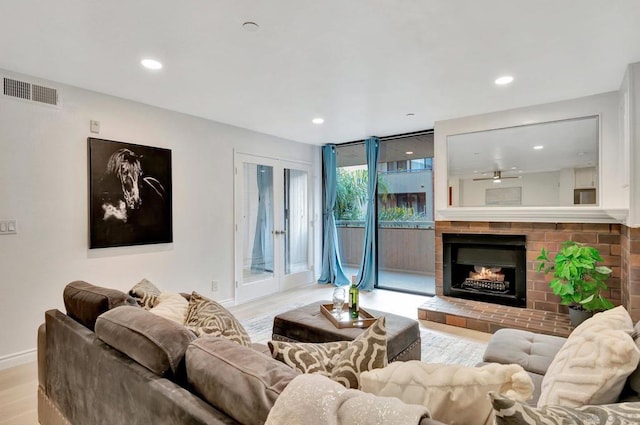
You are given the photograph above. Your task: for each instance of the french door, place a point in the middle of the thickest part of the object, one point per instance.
(272, 226)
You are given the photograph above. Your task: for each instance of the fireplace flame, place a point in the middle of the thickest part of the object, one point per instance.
(493, 274)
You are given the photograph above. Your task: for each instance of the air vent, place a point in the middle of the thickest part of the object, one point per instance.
(44, 95)
(17, 88)
(28, 91)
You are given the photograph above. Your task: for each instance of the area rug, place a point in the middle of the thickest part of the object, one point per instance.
(436, 348)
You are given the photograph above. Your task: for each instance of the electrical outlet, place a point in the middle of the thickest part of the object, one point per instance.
(214, 286)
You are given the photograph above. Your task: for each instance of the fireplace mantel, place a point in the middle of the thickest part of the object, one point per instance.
(534, 214)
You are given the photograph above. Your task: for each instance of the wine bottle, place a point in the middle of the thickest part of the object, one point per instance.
(354, 307)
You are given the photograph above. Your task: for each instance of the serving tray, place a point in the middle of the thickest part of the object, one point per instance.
(364, 320)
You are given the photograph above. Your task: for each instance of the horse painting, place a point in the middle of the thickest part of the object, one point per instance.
(129, 206)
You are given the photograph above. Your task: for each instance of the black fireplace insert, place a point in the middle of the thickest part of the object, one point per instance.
(485, 267)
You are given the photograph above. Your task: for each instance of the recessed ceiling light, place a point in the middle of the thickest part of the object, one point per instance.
(408, 153)
(317, 121)
(538, 147)
(505, 79)
(151, 64)
(514, 168)
(475, 172)
(250, 26)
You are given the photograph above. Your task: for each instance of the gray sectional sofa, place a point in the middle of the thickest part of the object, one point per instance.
(108, 362)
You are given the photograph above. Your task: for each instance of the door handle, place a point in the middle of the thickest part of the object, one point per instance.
(279, 232)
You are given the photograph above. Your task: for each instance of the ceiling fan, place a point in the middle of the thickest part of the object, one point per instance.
(497, 177)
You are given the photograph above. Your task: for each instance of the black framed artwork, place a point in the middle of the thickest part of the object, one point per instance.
(129, 194)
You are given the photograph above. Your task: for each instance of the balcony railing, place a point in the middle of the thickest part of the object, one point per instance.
(403, 246)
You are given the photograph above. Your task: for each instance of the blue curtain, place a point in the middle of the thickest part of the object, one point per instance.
(331, 268)
(367, 273)
(262, 254)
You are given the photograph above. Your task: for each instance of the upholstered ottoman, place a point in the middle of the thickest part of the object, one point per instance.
(533, 351)
(308, 324)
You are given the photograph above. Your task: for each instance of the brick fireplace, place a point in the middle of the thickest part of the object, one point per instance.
(618, 245)
(606, 238)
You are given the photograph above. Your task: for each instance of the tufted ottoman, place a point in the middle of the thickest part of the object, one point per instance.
(533, 351)
(308, 324)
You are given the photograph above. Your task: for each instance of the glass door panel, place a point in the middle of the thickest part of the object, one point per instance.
(296, 221)
(406, 238)
(258, 222)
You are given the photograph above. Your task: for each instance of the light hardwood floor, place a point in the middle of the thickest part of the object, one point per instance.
(18, 385)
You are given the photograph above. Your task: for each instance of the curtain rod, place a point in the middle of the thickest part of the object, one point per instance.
(386, 138)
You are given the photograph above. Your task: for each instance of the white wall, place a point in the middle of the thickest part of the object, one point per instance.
(613, 192)
(43, 185)
(630, 139)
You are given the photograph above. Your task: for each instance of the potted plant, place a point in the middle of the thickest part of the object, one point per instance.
(577, 280)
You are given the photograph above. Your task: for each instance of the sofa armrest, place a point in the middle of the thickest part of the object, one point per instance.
(42, 355)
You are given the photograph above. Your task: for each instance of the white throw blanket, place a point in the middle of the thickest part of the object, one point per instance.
(317, 400)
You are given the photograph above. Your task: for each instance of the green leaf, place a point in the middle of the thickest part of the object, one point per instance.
(604, 270)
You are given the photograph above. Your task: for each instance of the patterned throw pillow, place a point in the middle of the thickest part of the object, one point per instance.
(207, 317)
(593, 364)
(454, 394)
(342, 361)
(146, 293)
(308, 357)
(512, 412)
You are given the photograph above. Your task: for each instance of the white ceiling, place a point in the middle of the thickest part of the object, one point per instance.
(360, 64)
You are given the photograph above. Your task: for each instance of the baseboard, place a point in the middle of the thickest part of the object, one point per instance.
(17, 359)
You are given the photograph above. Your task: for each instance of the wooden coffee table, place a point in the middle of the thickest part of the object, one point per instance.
(308, 324)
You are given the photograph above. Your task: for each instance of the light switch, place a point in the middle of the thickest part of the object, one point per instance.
(7, 227)
(94, 126)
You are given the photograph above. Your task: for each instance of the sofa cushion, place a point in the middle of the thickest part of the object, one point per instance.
(236, 379)
(84, 302)
(171, 306)
(512, 412)
(454, 394)
(594, 363)
(207, 317)
(146, 293)
(342, 361)
(157, 343)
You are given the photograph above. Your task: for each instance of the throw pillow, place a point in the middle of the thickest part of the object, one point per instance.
(171, 306)
(207, 317)
(594, 363)
(454, 394)
(308, 357)
(513, 412)
(342, 361)
(146, 293)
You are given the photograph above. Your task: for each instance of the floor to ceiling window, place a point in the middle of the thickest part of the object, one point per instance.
(405, 231)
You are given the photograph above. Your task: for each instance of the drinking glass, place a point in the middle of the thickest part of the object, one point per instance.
(339, 297)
